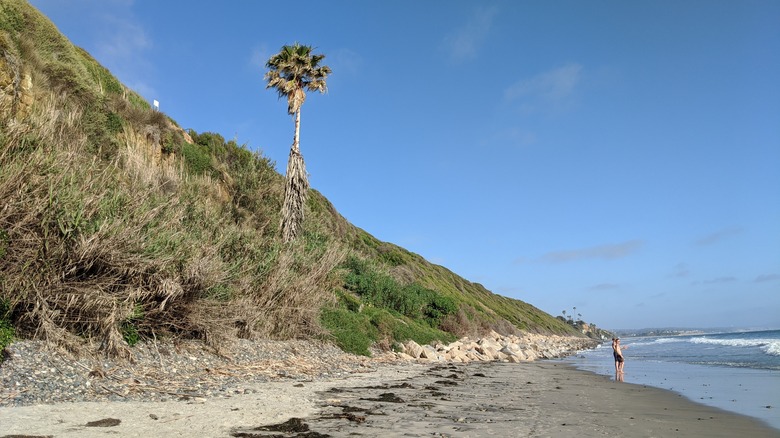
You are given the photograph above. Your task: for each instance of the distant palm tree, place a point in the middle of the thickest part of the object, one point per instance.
(292, 71)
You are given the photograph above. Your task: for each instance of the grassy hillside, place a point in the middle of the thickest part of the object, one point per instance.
(117, 225)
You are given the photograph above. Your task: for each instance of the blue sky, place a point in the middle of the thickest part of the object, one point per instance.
(618, 157)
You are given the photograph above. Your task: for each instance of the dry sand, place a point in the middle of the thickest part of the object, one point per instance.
(537, 399)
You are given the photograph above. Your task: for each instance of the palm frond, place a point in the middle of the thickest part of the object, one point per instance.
(295, 69)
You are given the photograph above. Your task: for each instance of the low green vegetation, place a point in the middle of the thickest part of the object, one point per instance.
(382, 290)
(119, 226)
(357, 331)
(7, 331)
(376, 309)
(129, 327)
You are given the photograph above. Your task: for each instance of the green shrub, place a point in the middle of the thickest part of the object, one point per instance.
(421, 333)
(7, 331)
(355, 332)
(388, 311)
(382, 290)
(129, 328)
(171, 142)
(350, 302)
(437, 307)
(351, 331)
(212, 142)
(130, 333)
(114, 123)
(391, 255)
(197, 158)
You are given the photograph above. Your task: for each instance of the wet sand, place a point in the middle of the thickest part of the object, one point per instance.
(536, 399)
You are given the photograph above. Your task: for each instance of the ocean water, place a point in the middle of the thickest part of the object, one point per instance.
(738, 372)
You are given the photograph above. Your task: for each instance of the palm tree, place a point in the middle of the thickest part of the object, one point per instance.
(291, 72)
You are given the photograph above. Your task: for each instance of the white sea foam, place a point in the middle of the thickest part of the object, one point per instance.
(638, 343)
(668, 340)
(731, 342)
(768, 346)
(772, 348)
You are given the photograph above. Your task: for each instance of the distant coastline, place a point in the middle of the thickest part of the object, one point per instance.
(687, 331)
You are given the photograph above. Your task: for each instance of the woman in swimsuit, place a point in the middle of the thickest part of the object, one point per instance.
(617, 353)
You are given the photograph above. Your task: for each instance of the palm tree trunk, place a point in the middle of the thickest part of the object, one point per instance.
(296, 189)
(297, 136)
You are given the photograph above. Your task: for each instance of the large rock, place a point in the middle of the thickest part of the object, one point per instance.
(488, 351)
(413, 349)
(403, 356)
(430, 353)
(514, 359)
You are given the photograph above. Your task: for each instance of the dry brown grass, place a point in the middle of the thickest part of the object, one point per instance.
(291, 299)
(95, 246)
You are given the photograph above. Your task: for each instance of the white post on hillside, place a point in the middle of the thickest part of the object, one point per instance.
(156, 105)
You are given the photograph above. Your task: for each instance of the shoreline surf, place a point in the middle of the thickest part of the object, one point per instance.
(736, 371)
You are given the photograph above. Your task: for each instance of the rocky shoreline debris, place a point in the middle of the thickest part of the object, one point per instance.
(513, 348)
(37, 373)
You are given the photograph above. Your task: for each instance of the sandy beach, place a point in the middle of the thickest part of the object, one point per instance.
(539, 399)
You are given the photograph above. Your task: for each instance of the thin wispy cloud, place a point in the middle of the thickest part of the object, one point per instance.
(464, 43)
(680, 270)
(604, 287)
(604, 252)
(719, 280)
(521, 260)
(123, 39)
(767, 277)
(121, 43)
(260, 55)
(550, 90)
(717, 236)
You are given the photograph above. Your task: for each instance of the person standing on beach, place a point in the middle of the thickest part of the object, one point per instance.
(617, 353)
